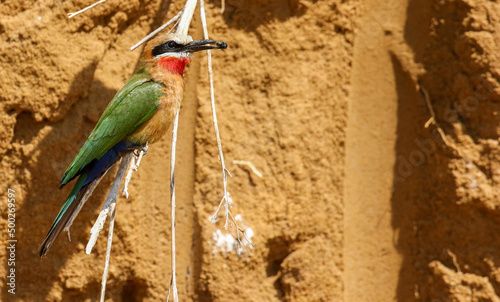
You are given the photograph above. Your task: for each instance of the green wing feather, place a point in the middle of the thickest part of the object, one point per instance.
(134, 104)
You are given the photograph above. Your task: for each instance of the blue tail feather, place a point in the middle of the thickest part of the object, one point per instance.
(88, 175)
(106, 161)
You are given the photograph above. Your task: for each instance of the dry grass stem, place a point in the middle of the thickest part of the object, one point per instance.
(108, 251)
(434, 122)
(182, 28)
(455, 261)
(229, 220)
(71, 15)
(156, 31)
(185, 19)
(173, 282)
(111, 199)
(248, 164)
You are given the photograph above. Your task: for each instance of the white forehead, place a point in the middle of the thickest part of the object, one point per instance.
(183, 40)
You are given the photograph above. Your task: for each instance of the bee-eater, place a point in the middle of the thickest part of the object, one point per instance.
(139, 114)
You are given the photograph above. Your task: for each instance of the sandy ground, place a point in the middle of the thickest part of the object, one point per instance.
(361, 198)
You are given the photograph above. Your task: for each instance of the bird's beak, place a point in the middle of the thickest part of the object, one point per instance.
(204, 45)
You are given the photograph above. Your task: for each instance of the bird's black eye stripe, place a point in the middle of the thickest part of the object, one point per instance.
(168, 46)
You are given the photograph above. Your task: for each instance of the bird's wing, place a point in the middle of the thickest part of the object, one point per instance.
(134, 104)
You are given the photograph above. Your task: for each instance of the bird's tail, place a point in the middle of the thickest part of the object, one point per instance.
(93, 172)
(65, 213)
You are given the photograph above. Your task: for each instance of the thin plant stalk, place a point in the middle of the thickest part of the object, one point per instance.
(229, 221)
(173, 283)
(71, 15)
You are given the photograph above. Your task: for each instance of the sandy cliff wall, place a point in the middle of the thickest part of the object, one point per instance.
(359, 201)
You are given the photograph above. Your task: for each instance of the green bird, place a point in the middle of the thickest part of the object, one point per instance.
(139, 114)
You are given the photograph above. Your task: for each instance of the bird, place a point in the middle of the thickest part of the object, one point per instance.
(139, 114)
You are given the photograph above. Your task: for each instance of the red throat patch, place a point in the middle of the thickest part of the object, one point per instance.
(174, 65)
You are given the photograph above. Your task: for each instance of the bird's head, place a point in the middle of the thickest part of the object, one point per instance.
(173, 52)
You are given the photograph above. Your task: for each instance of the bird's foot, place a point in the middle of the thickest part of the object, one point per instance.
(138, 150)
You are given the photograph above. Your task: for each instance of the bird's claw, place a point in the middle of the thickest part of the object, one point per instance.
(140, 149)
